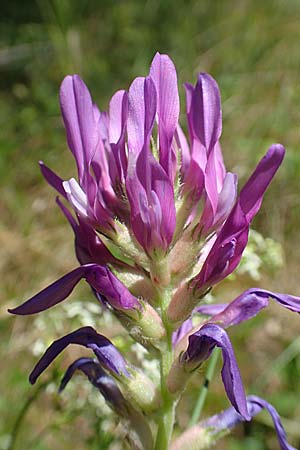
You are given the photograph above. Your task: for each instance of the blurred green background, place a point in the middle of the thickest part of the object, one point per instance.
(252, 49)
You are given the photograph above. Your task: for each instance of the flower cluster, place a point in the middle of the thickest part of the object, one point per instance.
(158, 221)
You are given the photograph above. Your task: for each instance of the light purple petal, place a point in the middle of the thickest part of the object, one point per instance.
(226, 198)
(118, 107)
(206, 111)
(163, 73)
(78, 114)
(182, 331)
(199, 349)
(211, 310)
(184, 149)
(141, 113)
(230, 418)
(107, 354)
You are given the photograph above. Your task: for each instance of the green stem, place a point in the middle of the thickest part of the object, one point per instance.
(204, 390)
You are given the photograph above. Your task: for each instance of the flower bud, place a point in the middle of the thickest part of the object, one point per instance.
(195, 438)
(141, 390)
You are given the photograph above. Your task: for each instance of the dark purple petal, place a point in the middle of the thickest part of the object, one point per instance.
(99, 277)
(201, 344)
(89, 366)
(163, 73)
(230, 418)
(54, 180)
(251, 195)
(106, 284)
(51, 295)
(206, 111)
(81, 127)
(107, 354)
(104, 383)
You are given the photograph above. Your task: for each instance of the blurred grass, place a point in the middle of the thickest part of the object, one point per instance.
(252, 49)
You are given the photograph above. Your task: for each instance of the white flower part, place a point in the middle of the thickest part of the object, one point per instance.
(76, 196)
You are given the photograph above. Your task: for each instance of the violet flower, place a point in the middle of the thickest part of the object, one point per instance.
(200, 347)
(230, 418)
(107, 354)
(100, 278)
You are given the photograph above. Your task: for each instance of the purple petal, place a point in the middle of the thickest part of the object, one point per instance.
(182, 331)
(151, 198)
(118, 107)
(233, 236)
(99, 277)
(226, 198)
(54, 180)
(199, 349)
(163, 73)
(107, 285)
(105, 351)
(78, 115)
(184, 149)
(104, 383)
(251, 195)
(230, 418)
(51, 295)
(250, 303)
(211, 310)
(141, 113)
(206, 111)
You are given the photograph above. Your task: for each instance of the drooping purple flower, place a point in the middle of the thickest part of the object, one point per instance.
(107, 354)
(201, 345)
(232, 238)
(99, 277)
(246, 306)
(230, 418)
(97, 376)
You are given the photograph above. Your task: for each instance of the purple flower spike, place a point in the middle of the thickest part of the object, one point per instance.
(230, 418)
(163, 73)
(99, 277)
(231, 241)
(107, 354)
(182, 331)
(201, 344)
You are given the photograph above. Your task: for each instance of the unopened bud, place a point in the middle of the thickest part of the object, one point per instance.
(195, 438)
(141, 390)
(177, 377)
(182, 304)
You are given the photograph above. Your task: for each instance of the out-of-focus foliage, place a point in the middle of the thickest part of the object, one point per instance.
(252, 49)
